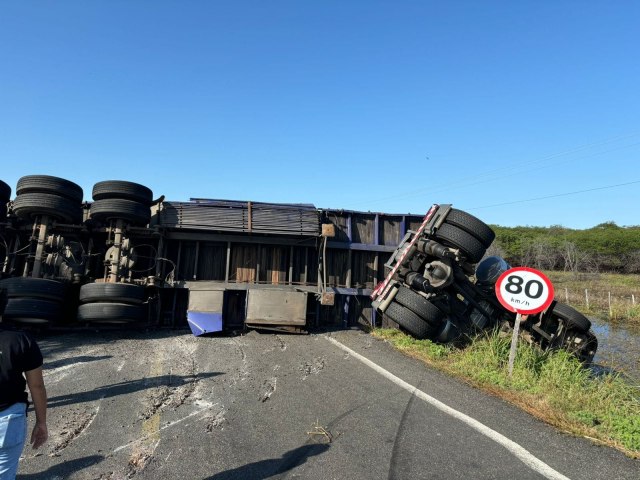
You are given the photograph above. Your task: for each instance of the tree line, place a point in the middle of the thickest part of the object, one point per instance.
(606, 247)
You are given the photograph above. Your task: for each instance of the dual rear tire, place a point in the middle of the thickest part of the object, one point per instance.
(118, 199)
(467, 233)
(34, 300)
(419, 317)
(5, 196)
(111, 303)
(52, 196)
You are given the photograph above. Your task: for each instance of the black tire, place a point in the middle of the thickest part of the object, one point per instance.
(472, 225)
(48, 184)
(420, 306)
(121, 189)
(18, 287)
(28, 205)
(448, 333)
(573, 318)
(32, 310)
(410, 321)
(117, 208)
(458, 238)
(106, 312)
(3, 300)
(583, 345)
(112, 292)
(587, 353)
(5, 192)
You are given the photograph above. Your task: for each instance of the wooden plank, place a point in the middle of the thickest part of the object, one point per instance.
(244, 262)
(227, 262)
(195, 262)
(363, 228)
(212, 261)
(342, 226)
(391, 230)
(363, 268)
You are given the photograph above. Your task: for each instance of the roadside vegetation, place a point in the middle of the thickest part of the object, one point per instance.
(610, 296)
(604, 248)
(596, 270)
(552, 386)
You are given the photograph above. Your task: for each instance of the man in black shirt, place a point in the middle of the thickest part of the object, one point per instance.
(19, 354)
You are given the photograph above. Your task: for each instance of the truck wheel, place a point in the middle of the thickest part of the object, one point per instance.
(448, 333)
(583, 345)
(112, 292)
(590, 348)
(5, 192)
(5, 196)
(121, 189)
(114, 208)
(107, 312)
(51, 185)
(18, 287)
(409, 321)
(32, 310)
(573, 318)
(472, 225)
(28, 205)
(467, 243)
(419, 305)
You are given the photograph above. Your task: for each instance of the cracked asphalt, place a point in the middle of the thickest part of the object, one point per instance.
(166, 405)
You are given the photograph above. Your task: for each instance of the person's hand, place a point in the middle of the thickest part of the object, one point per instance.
(39, 435)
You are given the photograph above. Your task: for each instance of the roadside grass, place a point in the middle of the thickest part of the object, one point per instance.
(589, 293)
(552, 386)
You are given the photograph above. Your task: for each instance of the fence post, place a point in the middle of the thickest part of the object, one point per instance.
(586, 296)
(610, 311)
(633, 299)
(566, 294)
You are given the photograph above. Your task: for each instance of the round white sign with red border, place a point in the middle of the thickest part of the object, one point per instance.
(524, 290)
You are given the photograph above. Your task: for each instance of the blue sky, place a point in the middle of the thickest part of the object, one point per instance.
(504, 109)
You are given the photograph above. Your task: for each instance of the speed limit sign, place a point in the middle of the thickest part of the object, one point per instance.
(524, 290)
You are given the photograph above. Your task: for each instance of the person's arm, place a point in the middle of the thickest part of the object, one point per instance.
(39, 397)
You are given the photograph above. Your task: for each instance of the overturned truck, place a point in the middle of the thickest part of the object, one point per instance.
(125, 258)
(439, 286)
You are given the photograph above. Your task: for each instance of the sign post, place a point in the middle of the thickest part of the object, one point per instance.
(524, 291)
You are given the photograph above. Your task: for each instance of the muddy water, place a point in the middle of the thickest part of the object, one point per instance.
(618, 347)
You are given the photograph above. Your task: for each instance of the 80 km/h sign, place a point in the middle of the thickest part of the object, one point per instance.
(524, 290)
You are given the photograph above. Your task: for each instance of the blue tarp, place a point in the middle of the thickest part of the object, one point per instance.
(204, 322)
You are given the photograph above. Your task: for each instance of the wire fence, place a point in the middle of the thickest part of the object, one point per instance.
(614, 306)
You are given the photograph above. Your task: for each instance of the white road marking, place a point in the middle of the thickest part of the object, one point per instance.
(521, 453)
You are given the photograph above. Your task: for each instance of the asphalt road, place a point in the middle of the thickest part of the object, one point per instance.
(342, 405)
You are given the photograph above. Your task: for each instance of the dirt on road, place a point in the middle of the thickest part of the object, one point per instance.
(166, 405)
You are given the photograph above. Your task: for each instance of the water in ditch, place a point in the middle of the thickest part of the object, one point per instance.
(618, 348)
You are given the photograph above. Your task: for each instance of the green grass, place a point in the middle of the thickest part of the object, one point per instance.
(553, 386)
